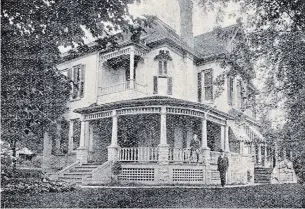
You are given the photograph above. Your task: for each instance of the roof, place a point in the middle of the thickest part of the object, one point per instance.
(152, 100)
(211, 43)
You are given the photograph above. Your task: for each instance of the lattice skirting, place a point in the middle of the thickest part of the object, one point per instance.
(188, 175)
(137, 174)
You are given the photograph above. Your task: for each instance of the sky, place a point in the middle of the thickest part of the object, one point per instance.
(168, 11)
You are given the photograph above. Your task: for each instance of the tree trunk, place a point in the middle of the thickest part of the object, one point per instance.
(14, 156)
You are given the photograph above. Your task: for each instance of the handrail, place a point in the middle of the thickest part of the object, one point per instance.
(68, 167)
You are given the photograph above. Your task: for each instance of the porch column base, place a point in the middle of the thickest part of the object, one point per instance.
(229, 172)
(206, 160)
(113, 152)
(82, 155)
(163, 150)
(205, 155)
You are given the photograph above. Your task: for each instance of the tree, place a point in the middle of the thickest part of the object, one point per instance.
(34, 93)
(272, 37)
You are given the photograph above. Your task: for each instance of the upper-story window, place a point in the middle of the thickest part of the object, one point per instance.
(163, 59)
(163, 67)
(230, 81)
(77, 75)
(208, 84)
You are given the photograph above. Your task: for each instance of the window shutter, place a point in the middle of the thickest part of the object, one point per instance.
(199, 86)
(155, 85)
(82, 81)
(169, 85)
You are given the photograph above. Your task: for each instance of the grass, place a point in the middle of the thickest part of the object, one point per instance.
(280, 196)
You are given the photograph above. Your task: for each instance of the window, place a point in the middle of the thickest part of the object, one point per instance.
(77, 75)
(163, 67)
(208, 85)
(238, 92)
(230, 81)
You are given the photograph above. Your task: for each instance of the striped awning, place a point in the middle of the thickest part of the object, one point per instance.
(254, 134)
(239, 132)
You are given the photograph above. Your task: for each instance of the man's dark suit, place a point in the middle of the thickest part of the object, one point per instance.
(223, 164)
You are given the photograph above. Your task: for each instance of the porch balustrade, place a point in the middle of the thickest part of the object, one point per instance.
(181, 155)
(133, 154)
(122, 87)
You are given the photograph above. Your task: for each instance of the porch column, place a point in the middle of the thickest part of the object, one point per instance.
(222, 137)
(276, 153)
(47, 151)
(259, 155)
(265, 155)
(90, 143)
(82, 151)
(227, 143)
(70, 143)
(131, 69)
(113, 149)
(204, 141)
(58, 138)
(163, 146)
(242, 147)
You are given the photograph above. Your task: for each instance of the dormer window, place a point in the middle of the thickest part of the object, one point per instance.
(163, 58)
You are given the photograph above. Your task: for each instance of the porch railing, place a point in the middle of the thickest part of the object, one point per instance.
(214, 157)
(181, 155)
(132, 154)
(122, 87)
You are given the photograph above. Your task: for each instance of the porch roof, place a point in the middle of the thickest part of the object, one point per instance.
(152, 101)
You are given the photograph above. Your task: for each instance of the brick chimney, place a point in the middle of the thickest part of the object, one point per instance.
(186, 21)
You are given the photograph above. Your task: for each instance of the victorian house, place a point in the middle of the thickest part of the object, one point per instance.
(143, 103)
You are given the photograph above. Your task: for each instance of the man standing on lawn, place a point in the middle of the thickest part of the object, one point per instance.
(222, 164)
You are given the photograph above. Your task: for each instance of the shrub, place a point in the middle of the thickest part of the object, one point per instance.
(36, 186)
(116, 168)
(37, 161)
(299, 168)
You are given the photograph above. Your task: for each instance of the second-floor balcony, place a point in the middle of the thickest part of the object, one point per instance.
(122, 91)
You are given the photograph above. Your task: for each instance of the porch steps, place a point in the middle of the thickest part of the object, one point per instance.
(76, 174)
(262, 175)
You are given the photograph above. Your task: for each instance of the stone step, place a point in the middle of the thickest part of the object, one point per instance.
(81, 171)
(75, 175)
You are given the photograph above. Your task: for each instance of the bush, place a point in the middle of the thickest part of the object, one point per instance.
(37, 161)
(22, 186)
(116, 168)
(299, 168)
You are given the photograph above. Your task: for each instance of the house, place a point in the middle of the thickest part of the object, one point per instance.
(143, 103)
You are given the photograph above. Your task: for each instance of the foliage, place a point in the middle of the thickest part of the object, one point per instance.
(299, 167)
(116, 168)
(272, 37)
(34, 93)
(32, 186)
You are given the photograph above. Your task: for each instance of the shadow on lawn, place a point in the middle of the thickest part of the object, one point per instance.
(286, 195)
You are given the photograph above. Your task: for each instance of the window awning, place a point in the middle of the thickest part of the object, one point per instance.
(258, 136)
(239, 132)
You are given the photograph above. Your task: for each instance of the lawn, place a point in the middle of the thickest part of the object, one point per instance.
(286, 196)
